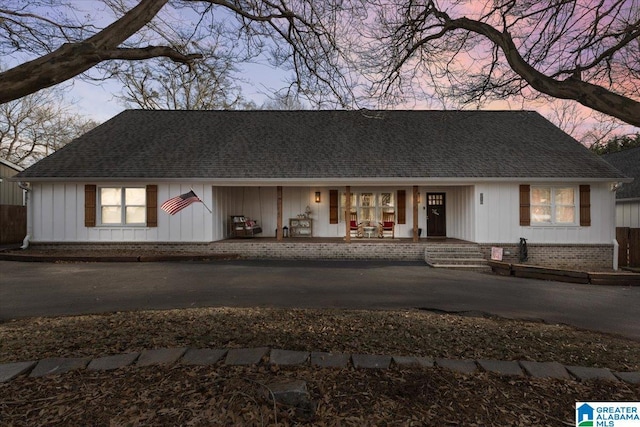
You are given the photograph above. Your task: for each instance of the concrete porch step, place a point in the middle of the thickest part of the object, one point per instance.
(458, 261)
(459, 255)
(467, 257)
(463, 267)
(453, 252)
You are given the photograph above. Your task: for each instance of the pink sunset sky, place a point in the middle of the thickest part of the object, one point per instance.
(98, 102)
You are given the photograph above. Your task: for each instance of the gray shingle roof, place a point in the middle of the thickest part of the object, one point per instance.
(628, 162)
(323, 145)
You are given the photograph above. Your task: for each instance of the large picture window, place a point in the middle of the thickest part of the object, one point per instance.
(122, 205)
(553, 205)
(368, 205)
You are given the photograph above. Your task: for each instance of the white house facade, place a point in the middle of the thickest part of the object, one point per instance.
(482, 213)
(490, 178)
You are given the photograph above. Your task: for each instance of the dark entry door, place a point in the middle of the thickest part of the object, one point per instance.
(436, 215)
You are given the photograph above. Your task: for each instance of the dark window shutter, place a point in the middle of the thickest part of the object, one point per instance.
(585, 205)
(525, 205)
(152, 205)
(89, 205)
(402, 207)
(333, 206)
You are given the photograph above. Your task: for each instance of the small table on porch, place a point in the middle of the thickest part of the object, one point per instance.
(369, 231)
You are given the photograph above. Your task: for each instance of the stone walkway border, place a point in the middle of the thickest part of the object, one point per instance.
(254, 356)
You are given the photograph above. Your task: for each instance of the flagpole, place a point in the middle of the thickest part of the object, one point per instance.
(201, 201)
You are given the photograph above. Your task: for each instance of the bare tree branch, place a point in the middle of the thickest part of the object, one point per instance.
(137, 54)
(72, 59)
(587, 94)
(37, 125)
(582, 50)
(300, 36)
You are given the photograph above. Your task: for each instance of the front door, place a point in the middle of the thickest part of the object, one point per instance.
(436, 215)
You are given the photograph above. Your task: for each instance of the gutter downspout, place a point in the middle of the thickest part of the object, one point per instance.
(616, 246)
(27, 190)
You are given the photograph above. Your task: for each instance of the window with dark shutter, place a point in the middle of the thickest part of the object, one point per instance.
(89, 205)
(333, 206)
(525, 205)
(585, 205)
(152, 205)
(402, 207)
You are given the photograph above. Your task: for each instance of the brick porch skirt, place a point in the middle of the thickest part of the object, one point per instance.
(261, 248)
(550, 255)
(574, 257)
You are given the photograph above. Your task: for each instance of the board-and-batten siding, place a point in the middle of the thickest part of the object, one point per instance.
(463, 218)
(58, 214)
(628, 214)
(460, 211)
(10, 192)
(59, 210)
(192, 224)
(498, 218)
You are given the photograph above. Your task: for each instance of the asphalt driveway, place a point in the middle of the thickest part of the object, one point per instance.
(46, 289)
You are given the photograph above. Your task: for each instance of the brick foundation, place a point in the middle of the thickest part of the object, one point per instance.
(553, 256)
(575, 257)
(259, 248)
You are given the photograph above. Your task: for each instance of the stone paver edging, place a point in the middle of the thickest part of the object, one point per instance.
(254, 356)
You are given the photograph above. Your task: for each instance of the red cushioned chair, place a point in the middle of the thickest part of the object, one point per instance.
(388, 224)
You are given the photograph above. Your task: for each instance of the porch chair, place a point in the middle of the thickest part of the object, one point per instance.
(355, 229)
(241, 226)
(388, 224)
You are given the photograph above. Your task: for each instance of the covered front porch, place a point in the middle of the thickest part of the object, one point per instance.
(418, 212)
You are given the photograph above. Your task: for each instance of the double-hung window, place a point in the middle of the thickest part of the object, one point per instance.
(122, 205)
(553, 205)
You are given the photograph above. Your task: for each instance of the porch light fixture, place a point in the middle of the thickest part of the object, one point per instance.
(317, 197)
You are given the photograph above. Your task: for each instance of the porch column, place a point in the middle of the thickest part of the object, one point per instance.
(279, 213)
(347, 215)
(415, 214)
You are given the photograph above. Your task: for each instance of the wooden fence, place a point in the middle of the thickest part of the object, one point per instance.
(629, 251)
(13, 224)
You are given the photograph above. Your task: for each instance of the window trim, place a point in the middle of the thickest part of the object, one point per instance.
(122, 205)
(553, 207)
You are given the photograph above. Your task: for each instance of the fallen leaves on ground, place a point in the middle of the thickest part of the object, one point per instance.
(223, 395)
(232, 395)
(404, 333)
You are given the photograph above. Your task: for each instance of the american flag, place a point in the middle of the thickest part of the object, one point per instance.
(176, 204)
